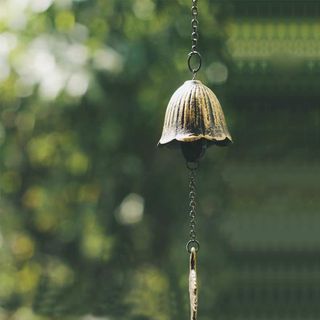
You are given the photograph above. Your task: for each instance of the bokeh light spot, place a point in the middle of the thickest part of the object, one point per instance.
(45, 221)
(40, 5)
(22, 246)
(42, 149)
(65, 20)
(217, 73)
(78, 163)
(108, 59)
(77, 84)
(131, 209)
(35, 197)
(10, 181)
(28, 277)
(144, 9)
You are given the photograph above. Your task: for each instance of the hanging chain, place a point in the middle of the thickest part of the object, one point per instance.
(194, 37)
(193, 242)
(193, 245)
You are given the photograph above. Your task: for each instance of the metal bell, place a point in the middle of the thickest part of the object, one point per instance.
(194, 120)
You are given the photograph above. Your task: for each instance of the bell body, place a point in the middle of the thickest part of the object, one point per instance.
(194, 120)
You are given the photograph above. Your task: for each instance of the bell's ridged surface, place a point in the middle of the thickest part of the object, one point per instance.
(194, 113)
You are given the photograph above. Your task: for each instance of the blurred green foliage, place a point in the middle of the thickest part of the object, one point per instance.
(93, 218)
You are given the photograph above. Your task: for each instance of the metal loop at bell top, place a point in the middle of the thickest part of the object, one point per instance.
(193, 244)
(190, 56)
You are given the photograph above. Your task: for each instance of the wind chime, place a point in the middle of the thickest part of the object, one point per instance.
(194, 120)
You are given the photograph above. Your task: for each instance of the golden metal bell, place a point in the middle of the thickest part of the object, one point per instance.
(194, 120)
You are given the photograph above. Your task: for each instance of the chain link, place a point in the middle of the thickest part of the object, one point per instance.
(194, 38)
(193, 242)
(194, 24)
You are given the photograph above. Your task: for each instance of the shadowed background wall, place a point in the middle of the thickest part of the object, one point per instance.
(93, 217)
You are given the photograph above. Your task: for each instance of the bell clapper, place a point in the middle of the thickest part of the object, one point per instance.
(193, 285)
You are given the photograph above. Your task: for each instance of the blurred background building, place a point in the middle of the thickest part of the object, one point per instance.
(93, 217)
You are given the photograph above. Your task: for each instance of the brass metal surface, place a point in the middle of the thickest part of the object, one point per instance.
(194, 113)
(193, 285)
